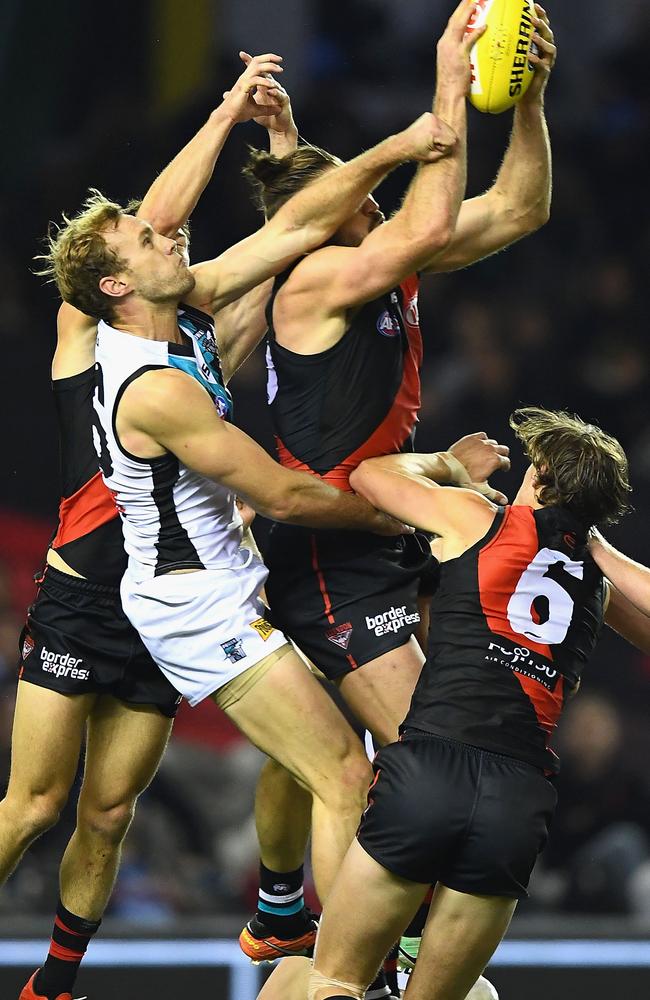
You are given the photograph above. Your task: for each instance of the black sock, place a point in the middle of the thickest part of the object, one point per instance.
(390, 970)
(378, 988)
(281, 905)
(70, 938)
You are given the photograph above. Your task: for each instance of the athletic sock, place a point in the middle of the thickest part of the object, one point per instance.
(379, 988)
(281, 904)
(70, 938)
(390, 970)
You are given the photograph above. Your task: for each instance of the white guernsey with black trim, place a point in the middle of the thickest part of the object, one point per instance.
(204, 628)
(173, 518)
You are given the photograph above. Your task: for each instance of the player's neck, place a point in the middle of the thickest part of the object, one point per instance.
(149, 320)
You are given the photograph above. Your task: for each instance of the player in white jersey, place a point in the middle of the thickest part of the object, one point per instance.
(164, 422)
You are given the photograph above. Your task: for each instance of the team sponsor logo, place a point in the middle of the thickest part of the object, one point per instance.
(263, 628)
(64, 665)
(28, 646)
(234, 650)
(281, 887)
(522, 661)
(340, 635)
(391, 621)
(388, 325)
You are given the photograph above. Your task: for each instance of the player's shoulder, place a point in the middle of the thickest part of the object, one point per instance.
(318, 267)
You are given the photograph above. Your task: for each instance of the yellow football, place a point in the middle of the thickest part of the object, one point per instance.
(501, 69)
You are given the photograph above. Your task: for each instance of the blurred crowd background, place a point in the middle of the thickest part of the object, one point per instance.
(105, 96)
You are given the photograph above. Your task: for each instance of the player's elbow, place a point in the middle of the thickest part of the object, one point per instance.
(363, 482)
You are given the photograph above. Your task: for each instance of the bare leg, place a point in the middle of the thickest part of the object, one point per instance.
(47, 735)
(124, 747)
(288, 980)
(279, 797)
(379, 693)
(460, 936)
(366, 912)
(289, 716)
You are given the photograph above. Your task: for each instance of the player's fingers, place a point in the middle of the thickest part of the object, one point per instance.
(545, 46)
(226, 94)
(504, 463)
(245, 57)
(471, 38)
(268, 110)
(268, 57)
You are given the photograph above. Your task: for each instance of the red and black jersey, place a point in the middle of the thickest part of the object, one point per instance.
(356, 400)
(89, 534)
(513, 622)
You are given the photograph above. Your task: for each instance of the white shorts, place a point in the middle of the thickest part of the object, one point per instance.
(203, 629)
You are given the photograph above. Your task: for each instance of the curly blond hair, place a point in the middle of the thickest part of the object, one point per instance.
(77, 255)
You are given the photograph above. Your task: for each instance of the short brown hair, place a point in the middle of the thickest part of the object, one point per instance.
(275, 179)
(578, 465)
(78, 256)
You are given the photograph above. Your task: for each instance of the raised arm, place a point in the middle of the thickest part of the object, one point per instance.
(337, 278)
(174, 194)
(312, 215)
(240, 326)
(168, 410)
(519, 202)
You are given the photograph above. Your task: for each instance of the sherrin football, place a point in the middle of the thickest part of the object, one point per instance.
(501, 70)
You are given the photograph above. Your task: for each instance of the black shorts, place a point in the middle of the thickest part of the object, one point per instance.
(345, 598)
(77, 640)
(441, 811)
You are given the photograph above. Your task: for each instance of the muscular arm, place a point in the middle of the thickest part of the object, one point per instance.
(168, 411)
(520, 200)
(240, 326)
(409, 487)
(626, 619)
(309, 218)
(628, 577)
(517, 204)
(75, 344)
(174, 194)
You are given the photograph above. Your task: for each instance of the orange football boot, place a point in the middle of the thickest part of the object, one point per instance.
(260, 946)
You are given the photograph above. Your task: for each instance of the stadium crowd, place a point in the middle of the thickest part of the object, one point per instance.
(561, 322)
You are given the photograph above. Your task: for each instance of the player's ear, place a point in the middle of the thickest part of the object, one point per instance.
(115, 286)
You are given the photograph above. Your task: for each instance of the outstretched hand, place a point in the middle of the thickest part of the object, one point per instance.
(481, 456)
(240, 104)
(276, 121)
(542, 56)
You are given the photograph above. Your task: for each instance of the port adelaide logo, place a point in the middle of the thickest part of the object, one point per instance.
(234, 650)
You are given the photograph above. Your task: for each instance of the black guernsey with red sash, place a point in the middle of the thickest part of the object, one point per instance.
(356, 400)
(513, 623)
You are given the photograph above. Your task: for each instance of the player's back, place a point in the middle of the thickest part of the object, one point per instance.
(88, 537)
(356, 400)
(513, 622)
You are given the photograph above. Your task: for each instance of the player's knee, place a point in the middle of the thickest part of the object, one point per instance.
(109, 823)
(38, 812)
(349, 778)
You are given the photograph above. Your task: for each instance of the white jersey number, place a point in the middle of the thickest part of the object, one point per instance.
(534, 583)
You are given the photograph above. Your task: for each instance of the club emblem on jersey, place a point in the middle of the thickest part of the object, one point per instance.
(411, 314)
(340, 635)
(388, 325)
(263, 628)
(28, 646)
(234, 650)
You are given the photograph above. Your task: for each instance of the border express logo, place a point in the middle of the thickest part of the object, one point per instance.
(391, 621)
(340, 635)
(234, 650)
(64, 665)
